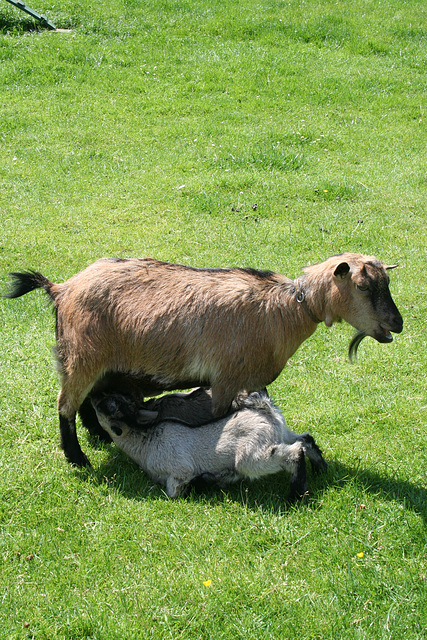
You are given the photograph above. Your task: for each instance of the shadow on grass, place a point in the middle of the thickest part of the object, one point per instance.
(271, 492)
(17, 22)
(17, 25)
(379, 483)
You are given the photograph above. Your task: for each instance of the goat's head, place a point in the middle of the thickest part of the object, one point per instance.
(118, 414)
(359, 293)
(371, 309)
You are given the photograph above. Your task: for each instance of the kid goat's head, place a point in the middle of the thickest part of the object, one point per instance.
(118, 414)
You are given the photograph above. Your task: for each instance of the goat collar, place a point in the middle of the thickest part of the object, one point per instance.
(300, 298)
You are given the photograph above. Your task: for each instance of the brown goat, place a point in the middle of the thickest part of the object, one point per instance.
(167, 326)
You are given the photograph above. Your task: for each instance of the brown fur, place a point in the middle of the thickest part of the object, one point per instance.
(171, 326)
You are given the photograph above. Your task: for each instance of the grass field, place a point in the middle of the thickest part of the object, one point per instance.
(267, 134)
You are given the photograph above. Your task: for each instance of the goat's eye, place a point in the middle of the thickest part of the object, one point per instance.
(362, 287)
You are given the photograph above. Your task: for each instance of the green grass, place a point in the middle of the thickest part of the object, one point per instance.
(263, 134)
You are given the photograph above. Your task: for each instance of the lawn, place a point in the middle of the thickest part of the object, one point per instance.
(267, 134)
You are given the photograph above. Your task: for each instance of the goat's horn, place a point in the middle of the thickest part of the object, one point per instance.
(391, 266)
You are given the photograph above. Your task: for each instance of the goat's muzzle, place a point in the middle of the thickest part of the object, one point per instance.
(382, 334)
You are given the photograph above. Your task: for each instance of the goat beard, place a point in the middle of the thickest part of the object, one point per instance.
(354, 345)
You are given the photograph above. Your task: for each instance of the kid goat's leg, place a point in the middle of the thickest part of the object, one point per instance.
(311, 450)
(313, 453)
(292, 459)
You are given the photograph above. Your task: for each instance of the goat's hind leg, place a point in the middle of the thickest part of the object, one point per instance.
(67, 426)
(70, 443)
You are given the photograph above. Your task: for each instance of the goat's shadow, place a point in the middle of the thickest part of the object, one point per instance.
(270, 492)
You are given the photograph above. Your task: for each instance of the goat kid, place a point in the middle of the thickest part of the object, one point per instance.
(165, 326)
(193, 409)
(252, 442)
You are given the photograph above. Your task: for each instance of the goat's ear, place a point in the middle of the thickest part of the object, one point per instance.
(105, 404)
(391, 266)
(146, 417)
(342, 270)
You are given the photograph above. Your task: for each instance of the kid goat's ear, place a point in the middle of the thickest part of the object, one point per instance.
(144, 416)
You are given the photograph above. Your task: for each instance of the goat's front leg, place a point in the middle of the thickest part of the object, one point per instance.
(313, 453)
(311, 450)
(222, 398)
(176, 486)
(298, 487)
(291, 458)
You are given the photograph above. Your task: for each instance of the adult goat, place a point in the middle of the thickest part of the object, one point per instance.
(166, 326)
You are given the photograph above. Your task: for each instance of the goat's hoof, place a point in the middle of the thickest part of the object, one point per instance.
(297, 494)
(80, 461)
(319, 467)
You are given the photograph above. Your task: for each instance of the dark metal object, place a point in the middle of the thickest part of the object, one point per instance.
(21, 5)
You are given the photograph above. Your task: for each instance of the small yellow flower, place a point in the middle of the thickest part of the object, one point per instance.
(207, 583)
(360, 554)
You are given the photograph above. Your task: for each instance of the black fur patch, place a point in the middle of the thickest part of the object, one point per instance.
(89, 420)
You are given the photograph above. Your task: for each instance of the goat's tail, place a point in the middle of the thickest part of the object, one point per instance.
(26, 281)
